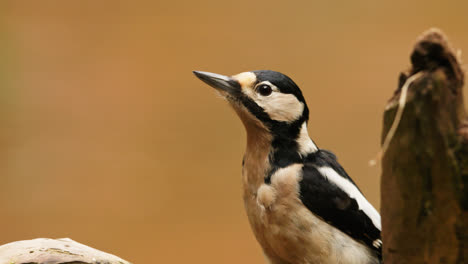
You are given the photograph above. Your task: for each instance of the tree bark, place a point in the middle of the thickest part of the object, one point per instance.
(425, 168)
(54, 251)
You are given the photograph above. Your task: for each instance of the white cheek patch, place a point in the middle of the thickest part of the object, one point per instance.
(280, 106)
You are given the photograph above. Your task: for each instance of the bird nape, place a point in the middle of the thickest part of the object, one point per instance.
(302, 205)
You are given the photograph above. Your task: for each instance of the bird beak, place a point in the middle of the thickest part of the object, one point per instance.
(220, 82)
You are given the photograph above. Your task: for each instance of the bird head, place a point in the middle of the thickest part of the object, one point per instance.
(266, 102)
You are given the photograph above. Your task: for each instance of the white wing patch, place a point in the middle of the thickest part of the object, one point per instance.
(353, 192)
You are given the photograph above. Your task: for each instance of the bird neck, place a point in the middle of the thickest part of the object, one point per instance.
(256, 162)
(290, 148)
(266, 151)
(294, 141)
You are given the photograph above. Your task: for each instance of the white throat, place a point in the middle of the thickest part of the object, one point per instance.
(305, 144)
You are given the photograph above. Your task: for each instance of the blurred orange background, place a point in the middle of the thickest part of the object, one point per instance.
(107, 137)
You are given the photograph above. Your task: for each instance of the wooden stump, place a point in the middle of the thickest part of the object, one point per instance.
(425, 168)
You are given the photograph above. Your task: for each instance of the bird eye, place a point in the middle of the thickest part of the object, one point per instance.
(264, 90)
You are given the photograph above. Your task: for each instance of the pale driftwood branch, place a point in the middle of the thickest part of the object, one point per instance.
(425, 168)
(54, 251)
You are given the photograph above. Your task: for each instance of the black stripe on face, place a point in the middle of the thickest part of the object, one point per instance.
(255, 109)
(279, 129)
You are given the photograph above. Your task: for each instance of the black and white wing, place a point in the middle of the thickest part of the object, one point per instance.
(328, 192)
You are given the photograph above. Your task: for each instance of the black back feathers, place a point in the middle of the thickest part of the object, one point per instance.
(333, 204)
